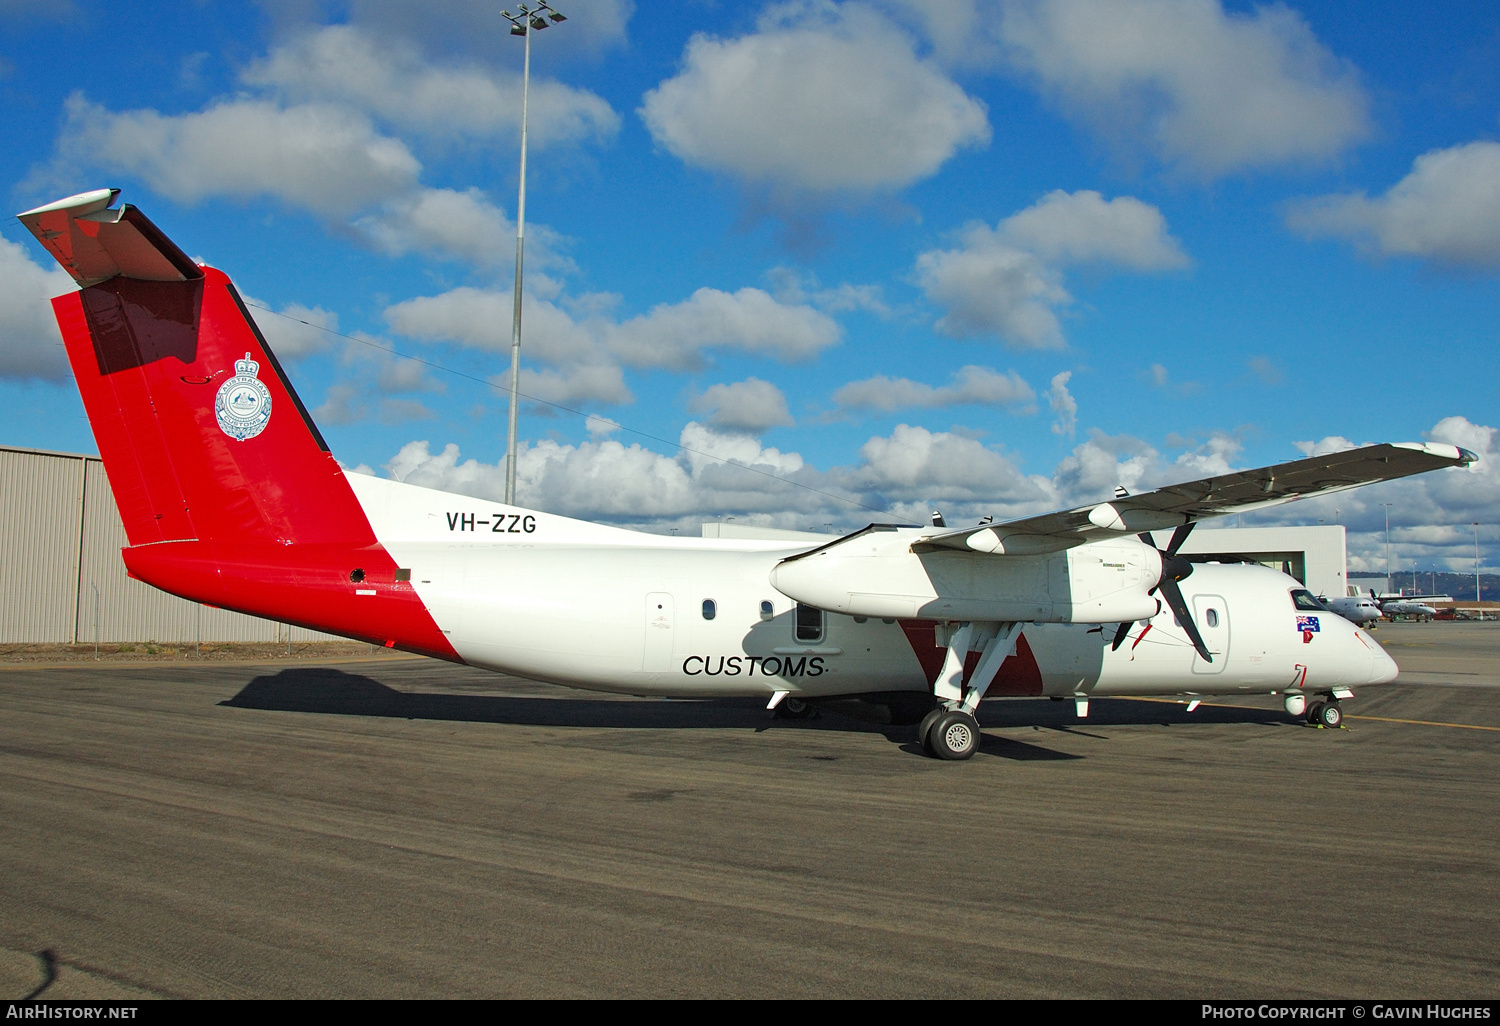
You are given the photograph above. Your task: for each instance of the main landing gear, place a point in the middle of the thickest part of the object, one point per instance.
(949, 734)
(950, 731)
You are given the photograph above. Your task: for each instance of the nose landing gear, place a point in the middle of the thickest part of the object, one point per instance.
(1325, 714)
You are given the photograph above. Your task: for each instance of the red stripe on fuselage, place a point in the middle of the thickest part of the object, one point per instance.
(1019, 674)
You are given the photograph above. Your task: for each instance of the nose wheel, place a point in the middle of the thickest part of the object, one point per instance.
(1325, 714)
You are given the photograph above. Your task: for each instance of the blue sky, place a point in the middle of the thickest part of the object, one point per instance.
(990, 257)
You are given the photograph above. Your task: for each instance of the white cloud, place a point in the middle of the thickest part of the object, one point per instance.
(608, 480)
(323, 158)
(674, 335)
(390, 78)
(981, 386)
(572, 384)
(1084, 227)
(820, 98)
(1092, 470)
(445, 222)
(600, 427)
(587, 354)
(796, 287)
(987, 288)
(1213, 92)
(30, 344)
(914, 466)
(1446, 210)
(750, 406)
(1063, 404)
(1007, 280)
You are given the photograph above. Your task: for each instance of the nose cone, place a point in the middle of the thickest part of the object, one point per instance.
(1383, 668)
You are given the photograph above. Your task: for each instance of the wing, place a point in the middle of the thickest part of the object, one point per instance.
(1192, 501)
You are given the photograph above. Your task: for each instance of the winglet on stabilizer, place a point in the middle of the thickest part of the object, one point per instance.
(95, 242)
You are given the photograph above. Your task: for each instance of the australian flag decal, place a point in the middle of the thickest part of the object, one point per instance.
(1308, 625)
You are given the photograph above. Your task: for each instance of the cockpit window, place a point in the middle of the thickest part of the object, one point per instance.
(1306, 600)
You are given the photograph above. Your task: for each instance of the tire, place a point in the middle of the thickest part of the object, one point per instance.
(794, 709)
(1331, 716)
(924, 730)
(954, 736)
(1314, 712)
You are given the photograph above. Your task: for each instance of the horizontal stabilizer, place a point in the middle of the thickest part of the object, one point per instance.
(94, 243)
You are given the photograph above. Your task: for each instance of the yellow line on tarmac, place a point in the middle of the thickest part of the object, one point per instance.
(1379, 719)
(1422, 723)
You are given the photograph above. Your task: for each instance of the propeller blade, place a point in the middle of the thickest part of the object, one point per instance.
(1121, 635)
(1178, 537)
(1178, 605)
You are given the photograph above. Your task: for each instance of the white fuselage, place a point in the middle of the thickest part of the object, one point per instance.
(1355, 609)
(597, 607)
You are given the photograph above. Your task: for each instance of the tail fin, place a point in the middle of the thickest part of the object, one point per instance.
(205, 442)
(199, 429)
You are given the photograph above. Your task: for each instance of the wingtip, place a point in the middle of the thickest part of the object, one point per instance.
(80, 203)
(1463, 457)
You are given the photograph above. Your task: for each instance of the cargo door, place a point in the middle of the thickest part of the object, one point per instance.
(659, 633)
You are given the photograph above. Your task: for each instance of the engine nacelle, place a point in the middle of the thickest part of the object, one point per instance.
(876, 573)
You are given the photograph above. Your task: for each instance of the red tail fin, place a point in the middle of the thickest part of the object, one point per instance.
(206, 443)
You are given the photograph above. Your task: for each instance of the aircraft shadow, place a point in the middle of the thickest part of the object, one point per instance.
(334, 692)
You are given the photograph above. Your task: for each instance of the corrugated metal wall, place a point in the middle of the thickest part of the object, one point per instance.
(60, 542)
(40, 525)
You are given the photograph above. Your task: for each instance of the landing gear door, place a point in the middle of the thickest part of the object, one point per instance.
(657, 657)
(1211, 613)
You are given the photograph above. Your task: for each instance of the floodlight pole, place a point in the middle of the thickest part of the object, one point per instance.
(1387, 506)
(1475, 525)
(515, 324)
(521, 25)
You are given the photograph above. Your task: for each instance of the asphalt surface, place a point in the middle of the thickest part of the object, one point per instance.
(403, 828)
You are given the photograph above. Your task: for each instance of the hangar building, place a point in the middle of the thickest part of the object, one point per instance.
(60, 541)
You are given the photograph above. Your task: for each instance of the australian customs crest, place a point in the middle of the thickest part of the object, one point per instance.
(243, 405)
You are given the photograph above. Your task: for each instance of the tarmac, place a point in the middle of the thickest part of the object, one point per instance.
(393, 827)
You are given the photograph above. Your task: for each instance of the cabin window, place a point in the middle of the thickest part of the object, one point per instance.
(710, 609)
(403, 574)
(356, 575)
(767, 610)
(1305, 600)
(809, 623)
(1211, 618)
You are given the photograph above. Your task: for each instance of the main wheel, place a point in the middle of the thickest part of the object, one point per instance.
(1314, 711)
(1331, 716)
(794, 709)
(924, 730)
(954, 736)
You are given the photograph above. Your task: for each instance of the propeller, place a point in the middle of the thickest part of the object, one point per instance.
(1174, 568)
